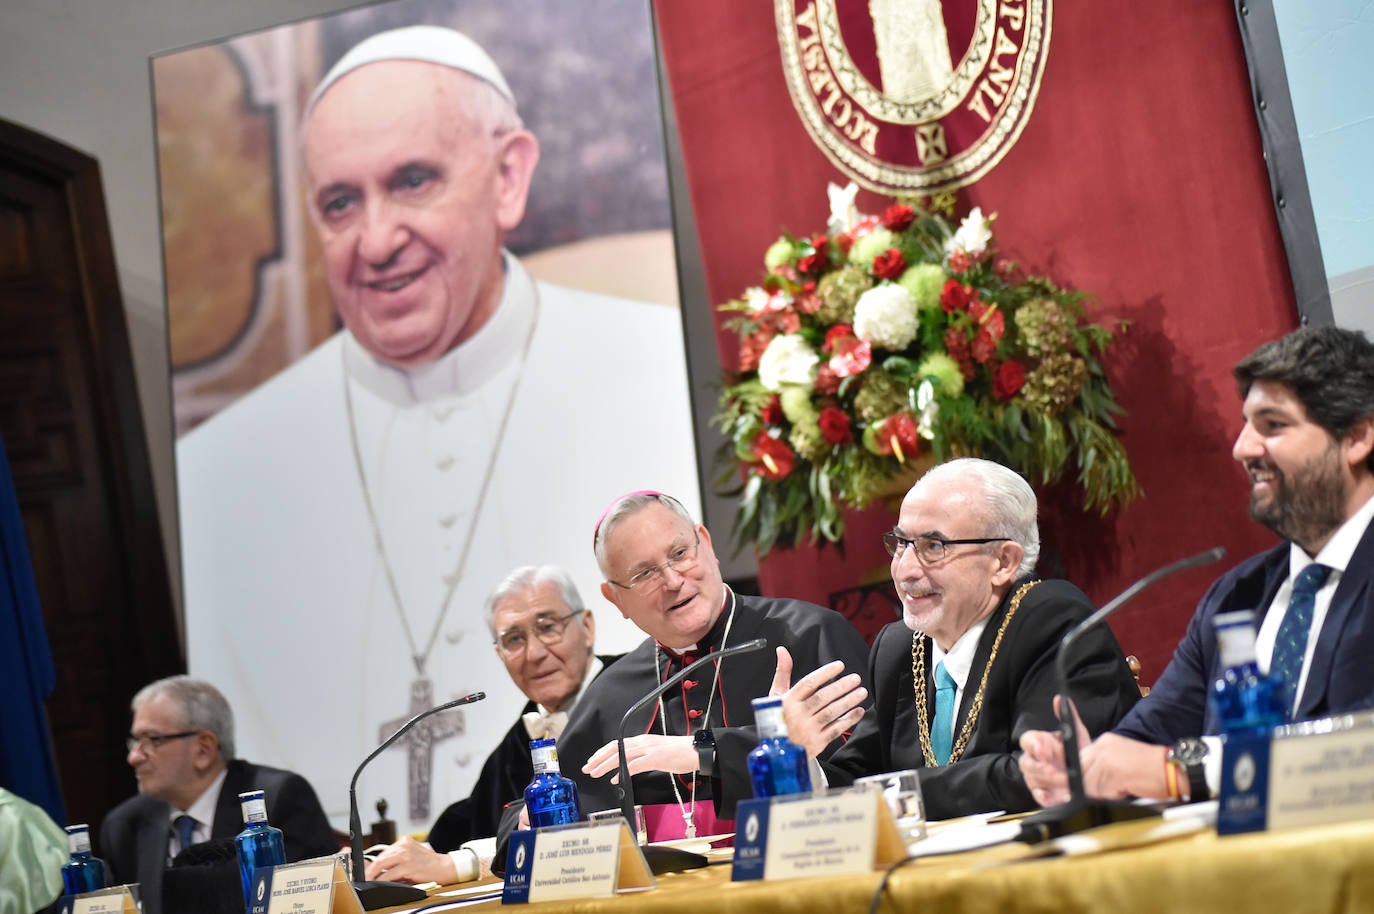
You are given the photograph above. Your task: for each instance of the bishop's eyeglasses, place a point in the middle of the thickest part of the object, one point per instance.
(929, 548)
(681, 558)
(548, 629)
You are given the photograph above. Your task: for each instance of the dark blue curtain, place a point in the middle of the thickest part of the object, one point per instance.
(27, 765)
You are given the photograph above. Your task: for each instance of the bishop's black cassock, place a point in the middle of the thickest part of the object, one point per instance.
(812, 634)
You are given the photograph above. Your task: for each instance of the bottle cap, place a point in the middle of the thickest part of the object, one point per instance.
(768, 701)
(77, 829)
(543, 743)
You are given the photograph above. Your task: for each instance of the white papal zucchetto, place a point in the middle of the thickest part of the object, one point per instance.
(429, 43)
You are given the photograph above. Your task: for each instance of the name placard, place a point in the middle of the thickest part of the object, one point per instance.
(119, 899)
(826, 835)
(582, 860)
(318, 886)
(1308, 773)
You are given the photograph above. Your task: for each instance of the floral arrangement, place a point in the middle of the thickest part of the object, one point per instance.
(890, 340)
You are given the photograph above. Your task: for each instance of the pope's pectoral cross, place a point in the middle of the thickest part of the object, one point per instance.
(419, 742)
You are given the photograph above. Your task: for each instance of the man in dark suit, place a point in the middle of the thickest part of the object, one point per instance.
(971, 665)
(543, 633)
(1307, 447)
(181, 747)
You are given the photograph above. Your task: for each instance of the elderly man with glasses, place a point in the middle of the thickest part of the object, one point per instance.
(687, 752)
(181, 747)
(971, 665)
(543, 633)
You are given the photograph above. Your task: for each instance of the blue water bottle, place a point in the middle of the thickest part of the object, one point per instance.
(551, 799)
(83, 872)
(259, 845)
(777, 766)
(1242, 697)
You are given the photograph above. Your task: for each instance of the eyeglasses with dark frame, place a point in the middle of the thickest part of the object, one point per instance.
(681, 558)
(152, 741)
(931, 549)
(548, 629)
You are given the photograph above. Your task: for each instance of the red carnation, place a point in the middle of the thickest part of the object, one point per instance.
(827, 381)
(814, 263)
(983, 348)
(771, 414)
(751, 348)
(835, 426)
(774, 459)
(835, 334)
(898, 217)
(1008, 380)
(955, 296)
(889, 264)
(956, 344)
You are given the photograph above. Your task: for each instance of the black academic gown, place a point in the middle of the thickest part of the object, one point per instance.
(1019, 697)
(505, 775)
(814, 636)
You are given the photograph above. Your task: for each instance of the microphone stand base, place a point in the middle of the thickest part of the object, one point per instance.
(1080, 815)
(670, 859)
(374, 895)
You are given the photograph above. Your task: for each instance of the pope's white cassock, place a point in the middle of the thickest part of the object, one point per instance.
(318, 615)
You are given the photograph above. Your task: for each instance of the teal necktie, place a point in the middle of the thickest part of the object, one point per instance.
(1290, 647)
(942, 728)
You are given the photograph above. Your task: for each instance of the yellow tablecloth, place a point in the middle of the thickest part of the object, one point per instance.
(1323, 870)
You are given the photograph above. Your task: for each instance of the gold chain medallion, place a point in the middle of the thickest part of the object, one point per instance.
(918, 680)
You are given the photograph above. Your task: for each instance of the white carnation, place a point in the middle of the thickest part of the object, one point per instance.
(973, 235)
(885, 316)
(787, 360)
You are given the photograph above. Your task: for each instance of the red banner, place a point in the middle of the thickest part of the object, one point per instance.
(1136, 174)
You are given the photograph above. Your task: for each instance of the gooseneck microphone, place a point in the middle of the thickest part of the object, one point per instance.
(1077, 813)
(676, 860)
(375, 894)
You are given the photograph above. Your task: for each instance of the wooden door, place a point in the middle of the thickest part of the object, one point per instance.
(73, 430)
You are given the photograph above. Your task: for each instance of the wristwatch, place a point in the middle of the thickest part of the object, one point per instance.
(704, 741)
(1187, 757)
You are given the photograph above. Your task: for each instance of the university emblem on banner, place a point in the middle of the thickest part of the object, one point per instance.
(914, 96)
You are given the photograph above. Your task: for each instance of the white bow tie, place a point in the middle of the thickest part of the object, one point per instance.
(544, 726)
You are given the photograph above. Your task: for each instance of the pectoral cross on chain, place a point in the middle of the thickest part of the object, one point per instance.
(419, 742)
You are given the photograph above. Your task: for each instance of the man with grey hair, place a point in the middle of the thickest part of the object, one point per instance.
(543, 633)
(688, 752)
(971, 665)
(181, 747)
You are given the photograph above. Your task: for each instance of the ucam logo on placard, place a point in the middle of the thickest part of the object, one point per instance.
(914, 96)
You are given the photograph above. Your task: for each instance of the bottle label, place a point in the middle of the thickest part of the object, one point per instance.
(79, 840)
(769, 720)
(1236, 644)
(254, 810)
(545, 759)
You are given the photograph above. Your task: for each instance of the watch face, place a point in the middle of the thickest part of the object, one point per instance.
(1189, 751)
(704, 739)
